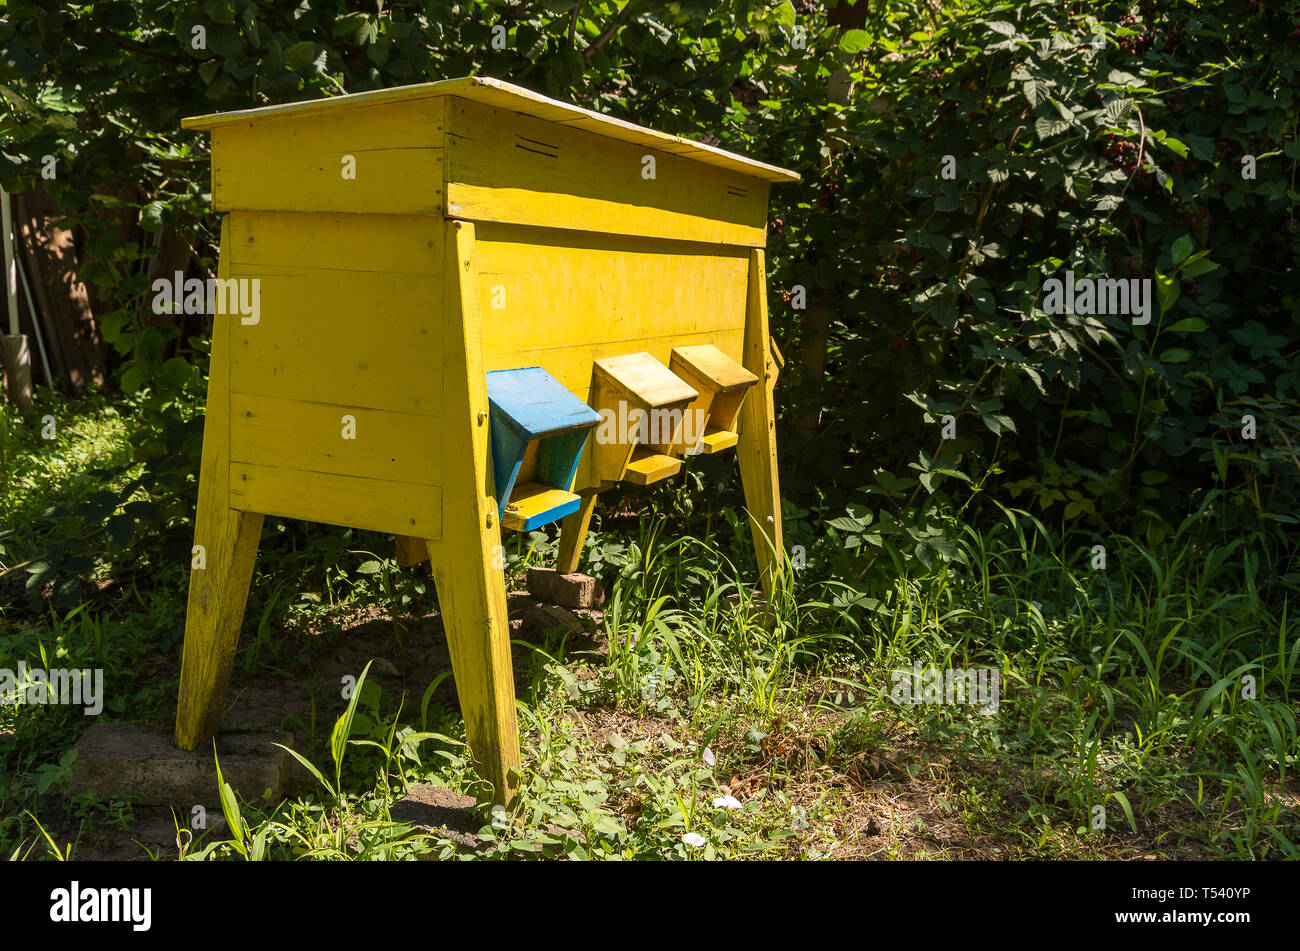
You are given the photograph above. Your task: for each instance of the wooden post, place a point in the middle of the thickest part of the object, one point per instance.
(222, 562)
(466, 563)
(573, 533)
(17, 358)
(411, 551)
(756, 450)
(18, 373)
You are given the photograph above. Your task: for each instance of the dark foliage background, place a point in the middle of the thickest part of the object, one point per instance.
(1107, 138)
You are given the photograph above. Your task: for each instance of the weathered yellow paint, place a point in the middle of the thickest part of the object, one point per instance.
(641, 403)
(373, 504)
(471, 588)
(722, 384)
(528, 499)
(297, 163)
(292, 434)
(496, 92)
(511, 168)
(756, 451)
(487, 228)
(227, 540)
(573, 532)
(341, 321)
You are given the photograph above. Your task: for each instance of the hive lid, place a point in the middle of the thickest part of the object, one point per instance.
(646, 379)
(503, 95)
(536, 403)
(714, 366)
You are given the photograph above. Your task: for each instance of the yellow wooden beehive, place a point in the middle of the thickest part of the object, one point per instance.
(407, 243)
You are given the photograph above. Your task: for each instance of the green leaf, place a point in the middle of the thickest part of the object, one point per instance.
(1175, 355)
(997, 422)
(1190, 325)
(1182, 247)
(1045, 128)
(306, 764)
(1168, 290)
(854, 41)
(342, 731)
(299, 55)
(133, 377)
(1175, 146)
(1197, 268)
(151, 215)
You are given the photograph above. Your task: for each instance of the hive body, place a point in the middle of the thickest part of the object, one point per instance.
(411, 244)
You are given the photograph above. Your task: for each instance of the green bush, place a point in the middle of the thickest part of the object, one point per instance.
(1111, 144)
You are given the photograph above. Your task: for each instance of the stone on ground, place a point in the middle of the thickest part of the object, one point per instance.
(118, 759)
(571, 591)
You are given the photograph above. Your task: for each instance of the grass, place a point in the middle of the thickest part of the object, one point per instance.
(1146, 705)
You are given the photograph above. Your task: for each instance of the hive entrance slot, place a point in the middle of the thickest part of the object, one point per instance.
(539, 430)
(722, 384)
(643, 409)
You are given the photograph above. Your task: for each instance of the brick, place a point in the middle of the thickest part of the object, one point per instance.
(570, 591)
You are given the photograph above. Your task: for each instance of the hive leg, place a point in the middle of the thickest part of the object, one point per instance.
(222, 566)
(218, 593)
(756, 449)
(573, 533)
(410, 551)
(467, 559)
(472, 598)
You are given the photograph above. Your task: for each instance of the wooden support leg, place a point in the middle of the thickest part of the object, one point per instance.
(472, 598)
(222, 563)
(218, 593)
(573, 533)
(756, 450)
(467, 567)
(411, 551)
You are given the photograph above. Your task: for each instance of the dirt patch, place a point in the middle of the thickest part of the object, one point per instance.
(440, 812)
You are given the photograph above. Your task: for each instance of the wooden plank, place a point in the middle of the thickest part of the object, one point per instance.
(293, 434)
(400, 508)
(411, 550)
(387, 181)
(541, 209)
(644, 380)
(756, 451)
(296, 163)
(318, 339)
(506, 167)
(327, 285)
(471, 588)
(647, 467)
(711, 368)
(717, 441)
(384, 244)
(570, 300)
(532, 506)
